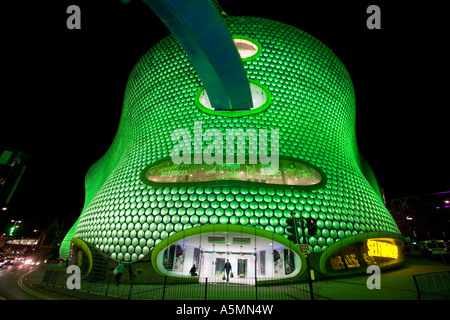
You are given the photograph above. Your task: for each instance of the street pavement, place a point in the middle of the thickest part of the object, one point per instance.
(11, 285)
(396, 284)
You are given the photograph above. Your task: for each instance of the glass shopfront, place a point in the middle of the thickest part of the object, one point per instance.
(251, 256)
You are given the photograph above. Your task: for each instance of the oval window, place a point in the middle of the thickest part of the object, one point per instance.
(291, 173)
(246, 48)
(261, 99)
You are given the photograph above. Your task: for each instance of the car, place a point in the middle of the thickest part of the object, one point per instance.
(2, 262)
(432, 248)
(31, 262)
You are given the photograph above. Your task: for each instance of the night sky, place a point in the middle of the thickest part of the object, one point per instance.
(63, 89)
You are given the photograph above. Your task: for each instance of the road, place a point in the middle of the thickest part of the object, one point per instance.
(11, 283)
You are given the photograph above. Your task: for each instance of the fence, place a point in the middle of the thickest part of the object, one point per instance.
(195, 288)
(433, 286)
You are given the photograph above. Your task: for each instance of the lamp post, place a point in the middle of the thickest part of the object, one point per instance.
(295, 238)
(308, 269)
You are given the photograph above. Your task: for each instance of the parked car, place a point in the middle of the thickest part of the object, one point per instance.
(432, 248)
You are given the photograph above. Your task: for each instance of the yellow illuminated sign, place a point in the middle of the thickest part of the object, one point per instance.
(351, 261)
(336, 263)
(377, 248)
(382, 252)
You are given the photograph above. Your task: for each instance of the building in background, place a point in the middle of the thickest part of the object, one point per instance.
(423, 217)
(12, 168)
(42, 245)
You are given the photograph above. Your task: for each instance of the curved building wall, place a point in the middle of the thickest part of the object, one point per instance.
(313, 107)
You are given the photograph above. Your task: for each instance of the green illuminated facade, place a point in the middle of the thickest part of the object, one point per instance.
(308, 96)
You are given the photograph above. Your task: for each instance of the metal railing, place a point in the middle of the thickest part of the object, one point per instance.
(433, 286)
(142, 287)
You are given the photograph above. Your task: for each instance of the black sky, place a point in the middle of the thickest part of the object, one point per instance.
(63, 89)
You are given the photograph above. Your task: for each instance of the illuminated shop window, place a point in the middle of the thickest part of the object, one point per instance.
(250, 256)
(291, 172)
(173, 258)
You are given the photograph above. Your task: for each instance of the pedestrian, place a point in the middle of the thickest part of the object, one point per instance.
(118, 272)
(193, 270)
(227, 269)
(130, 272)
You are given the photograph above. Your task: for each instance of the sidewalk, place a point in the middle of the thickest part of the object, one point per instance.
(33, 282)
(396, 284)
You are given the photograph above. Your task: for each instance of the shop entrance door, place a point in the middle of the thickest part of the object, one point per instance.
(242, 267)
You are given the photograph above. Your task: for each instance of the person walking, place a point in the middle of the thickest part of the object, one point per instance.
(118, 272)
(227, 269)
(130, 272)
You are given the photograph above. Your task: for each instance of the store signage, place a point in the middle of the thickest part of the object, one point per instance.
(382, 252)
(304, 248)
(382, 249)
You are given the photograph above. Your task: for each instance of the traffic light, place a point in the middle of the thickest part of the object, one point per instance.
(312, 227)
(292, 229)
(11, 231)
